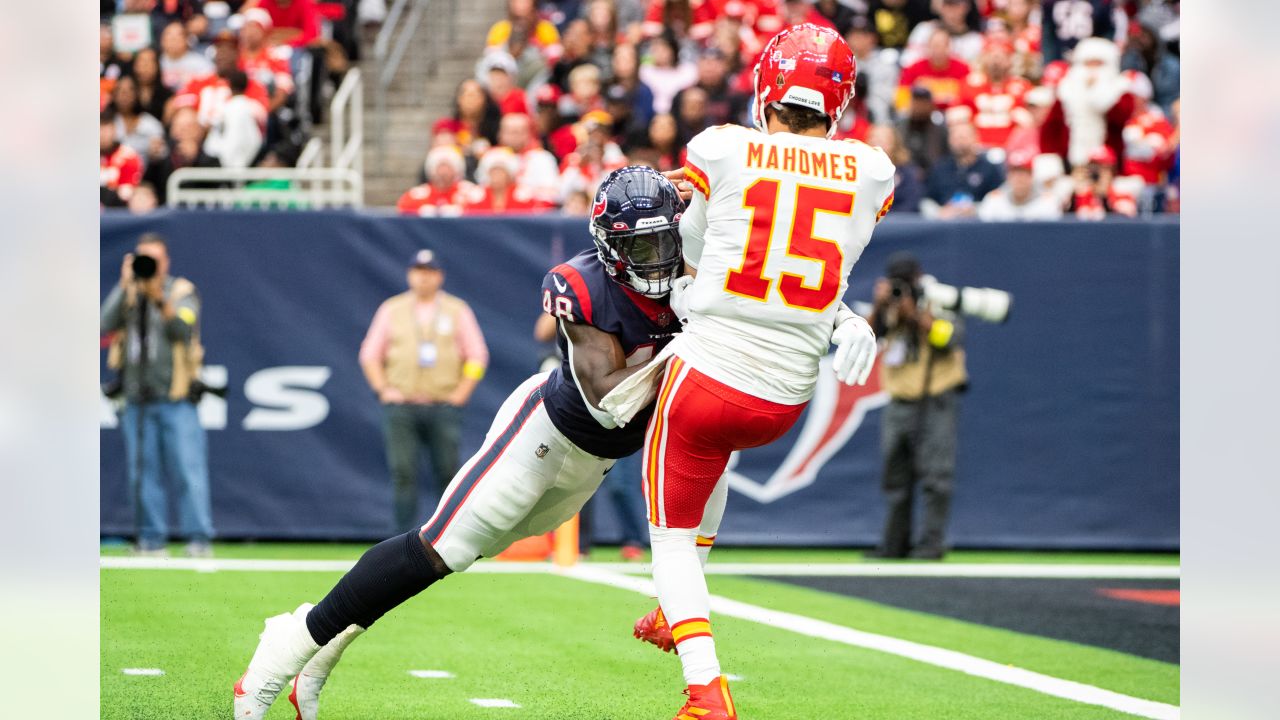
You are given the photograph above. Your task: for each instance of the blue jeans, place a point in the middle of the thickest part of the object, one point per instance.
(173, 444)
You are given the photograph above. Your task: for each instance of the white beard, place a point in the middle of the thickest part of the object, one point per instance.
(1085, 108)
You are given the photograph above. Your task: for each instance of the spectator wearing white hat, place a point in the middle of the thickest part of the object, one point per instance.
(1019, 198)
(497, 72)
(539, 172)
(499, 192)
(445, 191)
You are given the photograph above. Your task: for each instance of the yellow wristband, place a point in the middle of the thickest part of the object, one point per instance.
(940, 333)
(187, 315)
(472, 370)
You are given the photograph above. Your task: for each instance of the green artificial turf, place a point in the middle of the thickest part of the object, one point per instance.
(562, 649)
(344, 551)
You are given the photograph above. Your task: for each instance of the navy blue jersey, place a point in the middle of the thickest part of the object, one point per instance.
(579, 291)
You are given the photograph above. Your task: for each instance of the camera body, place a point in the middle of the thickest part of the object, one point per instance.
(144, 267)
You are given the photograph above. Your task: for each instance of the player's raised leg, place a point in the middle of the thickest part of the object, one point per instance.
(653, 627)
(697, 423)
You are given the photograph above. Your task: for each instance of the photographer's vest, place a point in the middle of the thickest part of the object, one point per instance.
(906, 381)
(188, 357)
(433, 377)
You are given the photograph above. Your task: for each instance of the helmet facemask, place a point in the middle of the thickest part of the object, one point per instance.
(647, 259)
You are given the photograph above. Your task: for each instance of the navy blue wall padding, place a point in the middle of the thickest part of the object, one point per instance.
(1068, 437)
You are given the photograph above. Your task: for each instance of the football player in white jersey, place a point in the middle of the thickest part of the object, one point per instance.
(776, 222)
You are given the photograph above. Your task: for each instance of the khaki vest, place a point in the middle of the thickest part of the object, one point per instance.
(403, 370)
(906, 381)
(188, 357)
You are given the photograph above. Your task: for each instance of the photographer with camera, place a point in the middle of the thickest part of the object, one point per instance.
(923, 370)
(156, 348)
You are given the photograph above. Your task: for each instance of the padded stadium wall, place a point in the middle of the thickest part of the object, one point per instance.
(1068, 435)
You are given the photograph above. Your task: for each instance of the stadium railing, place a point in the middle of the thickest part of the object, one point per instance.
(341, 184)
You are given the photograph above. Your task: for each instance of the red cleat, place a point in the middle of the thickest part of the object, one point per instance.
(708, 702)
(653, 628)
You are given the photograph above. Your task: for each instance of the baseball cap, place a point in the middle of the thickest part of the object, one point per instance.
(1102, 155)
(257, 15)
(425, 259)
(920, 92)
(497, 60)
(1021, 160)
(617, 93)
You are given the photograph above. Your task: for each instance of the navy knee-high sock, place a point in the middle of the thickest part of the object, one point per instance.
(388, 574)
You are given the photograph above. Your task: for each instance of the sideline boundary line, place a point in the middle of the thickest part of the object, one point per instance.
(940, 657)
(971, 570)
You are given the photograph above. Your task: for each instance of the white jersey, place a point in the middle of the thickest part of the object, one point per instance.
(774, 227)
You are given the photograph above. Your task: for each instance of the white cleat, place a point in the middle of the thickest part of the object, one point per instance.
(284, 647)
(306, 687)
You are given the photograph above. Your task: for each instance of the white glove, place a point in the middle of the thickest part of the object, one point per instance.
(855, 350)
(679, 300)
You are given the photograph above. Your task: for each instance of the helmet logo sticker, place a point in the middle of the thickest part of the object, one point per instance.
(787, 64)
(836, 76)
(780, 81)
(598, 209)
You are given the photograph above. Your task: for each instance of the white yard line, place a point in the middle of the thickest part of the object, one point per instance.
(940, 657)
(974, 570)
(432, 674)
(493, 703)
(150, 672)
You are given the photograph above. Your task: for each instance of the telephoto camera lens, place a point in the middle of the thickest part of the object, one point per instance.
(144, 267)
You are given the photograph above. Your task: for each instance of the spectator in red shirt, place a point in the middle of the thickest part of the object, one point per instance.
(1098, 192)
(539, 170)
(209, 93)
(299, 19)
(1025, 139)
(499, 191)
(993, 100)
(445, 192)
(120, 168)
(497, 72)
(939, 71)
(1148, 136)
(257, 60)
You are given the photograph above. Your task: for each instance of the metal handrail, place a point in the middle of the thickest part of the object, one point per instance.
(347, 150)
(313, 188)
(389, 58)
(310, 153)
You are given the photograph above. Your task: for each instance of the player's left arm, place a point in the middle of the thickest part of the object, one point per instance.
(598, 364)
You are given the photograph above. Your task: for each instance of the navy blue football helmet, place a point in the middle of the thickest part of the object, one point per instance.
(635, 223)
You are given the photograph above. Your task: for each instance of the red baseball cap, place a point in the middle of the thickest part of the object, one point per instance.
(1102, 155)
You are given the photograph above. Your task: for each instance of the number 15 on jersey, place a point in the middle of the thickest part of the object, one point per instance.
(751, 280)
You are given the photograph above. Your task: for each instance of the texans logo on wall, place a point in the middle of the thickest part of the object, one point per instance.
(834, 414)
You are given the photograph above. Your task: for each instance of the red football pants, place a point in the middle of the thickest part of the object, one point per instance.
(697, 423)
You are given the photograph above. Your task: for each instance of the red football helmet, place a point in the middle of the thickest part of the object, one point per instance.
(806, 65)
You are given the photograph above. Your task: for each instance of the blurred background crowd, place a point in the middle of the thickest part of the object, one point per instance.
(995, 109)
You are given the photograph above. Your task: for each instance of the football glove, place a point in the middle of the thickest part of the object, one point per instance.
(680, 297)
(855, 349)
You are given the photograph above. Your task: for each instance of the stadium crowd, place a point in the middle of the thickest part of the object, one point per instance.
(211, 83)
(996, 109)
(999, 109)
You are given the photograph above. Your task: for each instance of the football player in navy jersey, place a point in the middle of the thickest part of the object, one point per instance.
(546, 452)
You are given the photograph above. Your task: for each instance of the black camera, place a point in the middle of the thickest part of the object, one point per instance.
(198, 389)
(144, 267)
(900, 289)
